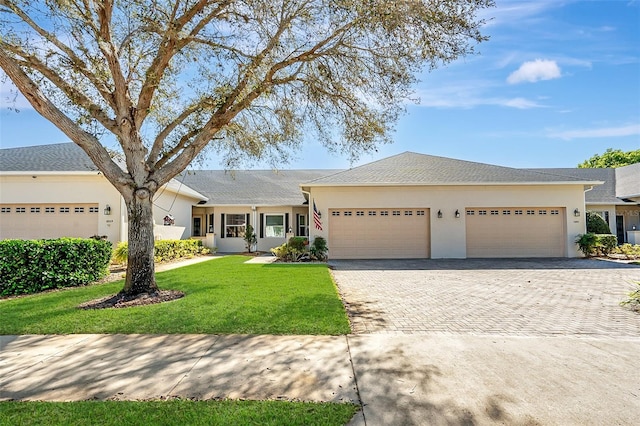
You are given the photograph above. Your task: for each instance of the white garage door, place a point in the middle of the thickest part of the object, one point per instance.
(515, 232)
(36, 221)
(378, 233)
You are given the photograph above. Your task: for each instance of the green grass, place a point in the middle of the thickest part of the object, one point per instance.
(223, 296)
(175, 412)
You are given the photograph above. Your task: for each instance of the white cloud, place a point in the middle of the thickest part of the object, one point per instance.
(603, 132)
(532, 71)
(470, 94)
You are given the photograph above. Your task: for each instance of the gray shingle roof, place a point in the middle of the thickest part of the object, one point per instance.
(628, 181)
(251, 187)
(410, 168)
(619, 183)
(61, 157)
(600, 194)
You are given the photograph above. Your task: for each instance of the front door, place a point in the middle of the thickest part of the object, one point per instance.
(197, 226)
(620, 228)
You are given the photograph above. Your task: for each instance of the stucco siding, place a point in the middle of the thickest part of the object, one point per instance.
(448, 234)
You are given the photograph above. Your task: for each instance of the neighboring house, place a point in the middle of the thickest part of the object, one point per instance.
(271, 201)
(51, 191)
(617, 200)
(409, 205)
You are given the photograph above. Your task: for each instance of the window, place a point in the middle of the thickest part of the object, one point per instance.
(35, 209)
(530, 212)
(5, 210)
(335, 213)
(408, 213)
(210, 223)
(78, 210)
(396, 212)
(506, 212)
(384, 213)
(21, 210)
(471, 212)
(542, 212)
(234, 225)
(482, 212)
(347, 213)
(494, 212)
(64, 210)
(420, 213)
(372, 213)
(518, 212)
(93, 210)
(274, 225)
(555, 212)
(360, 213)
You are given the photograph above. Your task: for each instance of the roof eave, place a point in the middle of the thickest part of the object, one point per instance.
(372, 184)
(49, 173)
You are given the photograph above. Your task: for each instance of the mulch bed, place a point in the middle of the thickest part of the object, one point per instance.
(125, 301)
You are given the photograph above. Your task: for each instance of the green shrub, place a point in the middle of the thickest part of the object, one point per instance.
(596, 224)
(605, 243)
(31, 266)
(164, 250)
(298, 243)
(288, 253)
(319, 249)
(587, 243)
(596, 244)
(628, 250)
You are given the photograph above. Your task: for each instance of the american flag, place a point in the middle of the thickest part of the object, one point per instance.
(316, 217)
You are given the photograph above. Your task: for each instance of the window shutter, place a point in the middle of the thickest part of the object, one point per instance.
(286, 223)
(261, 225)
(297, 230)
(248, 221)
(222, 226)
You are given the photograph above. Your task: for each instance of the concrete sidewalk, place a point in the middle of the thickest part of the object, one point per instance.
(399, 380)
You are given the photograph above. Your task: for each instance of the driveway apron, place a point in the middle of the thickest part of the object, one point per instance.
(475, 342)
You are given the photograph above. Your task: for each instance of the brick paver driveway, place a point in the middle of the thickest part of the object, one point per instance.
(570, 297)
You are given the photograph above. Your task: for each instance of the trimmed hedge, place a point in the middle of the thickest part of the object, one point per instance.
(596, 244)
(31, 266)
(165, 250)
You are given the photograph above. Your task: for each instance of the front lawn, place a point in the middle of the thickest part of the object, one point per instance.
(176, 412)
(223, 296)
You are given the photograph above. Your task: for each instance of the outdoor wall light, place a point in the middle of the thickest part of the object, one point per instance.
(439, 214)
(457, 214)
(576, 213)
(107, 210)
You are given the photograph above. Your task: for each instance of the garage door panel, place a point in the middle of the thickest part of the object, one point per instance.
(515, 232)
(42, 221)
(378, 233)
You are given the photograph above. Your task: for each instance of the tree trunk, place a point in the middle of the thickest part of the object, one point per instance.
(140, 265)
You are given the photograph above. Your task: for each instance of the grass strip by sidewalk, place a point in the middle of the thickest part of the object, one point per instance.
(223, 296)
(175, 412)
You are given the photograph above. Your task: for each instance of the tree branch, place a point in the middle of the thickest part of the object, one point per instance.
(47, 109)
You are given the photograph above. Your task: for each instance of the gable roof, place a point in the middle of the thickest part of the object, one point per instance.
(600, 194)
(410, 168)
(60, 157)
(64, 158)
(251, 187)
(618, 183)
(628, 181)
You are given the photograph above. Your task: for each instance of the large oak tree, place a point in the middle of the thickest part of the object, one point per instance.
(169, 79)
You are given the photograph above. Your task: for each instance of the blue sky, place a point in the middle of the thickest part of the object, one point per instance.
(557, 82)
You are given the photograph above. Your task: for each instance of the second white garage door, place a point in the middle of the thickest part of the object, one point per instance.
(515, 232)
(379, 233)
